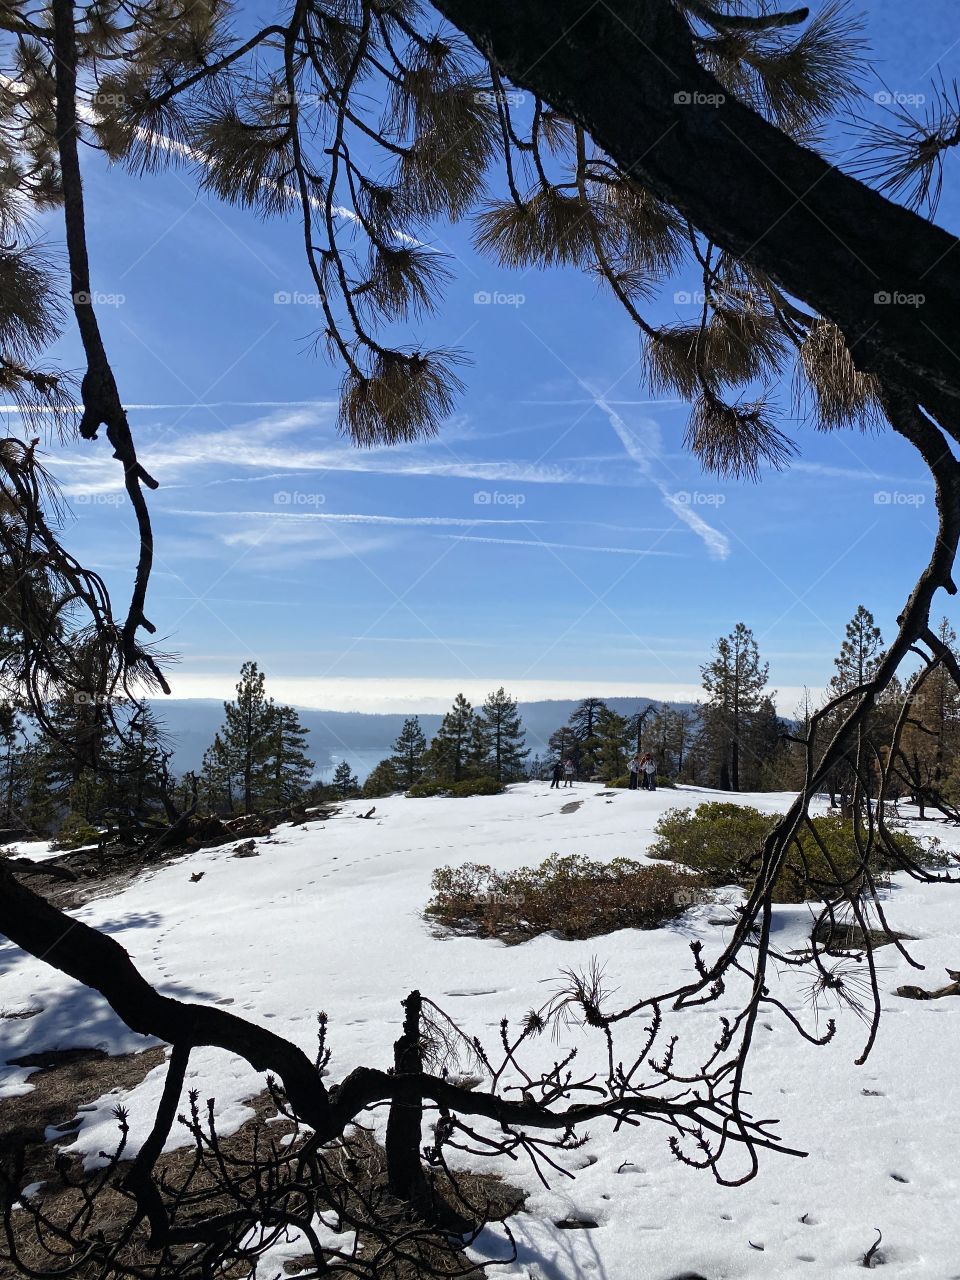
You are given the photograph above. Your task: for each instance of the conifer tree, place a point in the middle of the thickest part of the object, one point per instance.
(928, 758)
(638, 722)
(450, 748)
(563, 744)
(734, 680)
(505, 737)
(12, 765)
(584, 721)
(478, 761)
(382, 780)
(246, 734)
(408, 753)
(859, 655)
(216, 782)
(287, 768)
(614, 736)
(136, 762)
(345, 783)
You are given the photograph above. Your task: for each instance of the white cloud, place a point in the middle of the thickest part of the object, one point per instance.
(556, 546)
(643, 444)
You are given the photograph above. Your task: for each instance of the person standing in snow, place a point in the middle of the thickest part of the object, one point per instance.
(569, 772)
(557, 771)
(650, 773)
(634, 768)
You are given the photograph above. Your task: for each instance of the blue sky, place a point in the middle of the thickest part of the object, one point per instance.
(555, 538)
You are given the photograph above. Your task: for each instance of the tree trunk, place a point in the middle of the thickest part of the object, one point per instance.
(404, 1124)
(779, 206)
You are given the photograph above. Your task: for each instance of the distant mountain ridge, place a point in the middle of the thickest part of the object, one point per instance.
(361, 737)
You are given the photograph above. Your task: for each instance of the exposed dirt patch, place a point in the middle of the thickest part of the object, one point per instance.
(571, 806)
(356, 1174)
(65, 1081)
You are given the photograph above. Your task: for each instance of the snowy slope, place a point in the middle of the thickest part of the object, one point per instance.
(328, 917)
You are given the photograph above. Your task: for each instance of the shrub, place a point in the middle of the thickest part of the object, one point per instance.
(723, 842)
(571, 896)
(75, 832)
(715, 839)
(466, 787)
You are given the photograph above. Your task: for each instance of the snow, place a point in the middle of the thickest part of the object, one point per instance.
(328, 916)
(34, 850)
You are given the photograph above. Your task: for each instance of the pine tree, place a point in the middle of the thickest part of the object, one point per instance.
(638, 723)
(408, 753)
(859, 654)
(246, 735)
(929, 752)
(763, 754)
(734, 680)
(345, 783)
(584, 721)
(287, 769)
(614, 736)
(505, 736)
(450, 748)
(563, 744)
(12, 764)
(216, 782)
(135, 763)
(41, 812)
(478, 761)
(382, 780)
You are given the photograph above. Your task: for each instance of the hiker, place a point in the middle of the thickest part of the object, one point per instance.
(634, 768)
(557, 770)
(569, 772)
(650, 773)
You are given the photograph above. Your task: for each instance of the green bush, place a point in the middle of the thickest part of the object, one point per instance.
(723, 842)
(75, 832)
(467, 787)
(571, 896)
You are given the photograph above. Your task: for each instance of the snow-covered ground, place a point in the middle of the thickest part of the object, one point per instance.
(329, 917)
